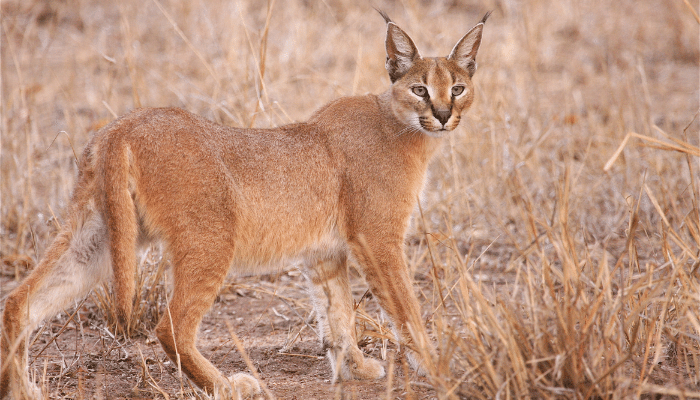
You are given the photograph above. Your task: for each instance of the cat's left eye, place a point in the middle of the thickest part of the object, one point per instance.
(457, 90)
(421, 91)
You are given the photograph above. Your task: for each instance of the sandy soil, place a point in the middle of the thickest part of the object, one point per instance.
(86, 361)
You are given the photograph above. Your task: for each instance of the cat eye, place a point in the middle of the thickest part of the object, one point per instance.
(457, 90)
(421, 91)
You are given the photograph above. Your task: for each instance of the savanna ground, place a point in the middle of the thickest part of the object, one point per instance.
(558, 250)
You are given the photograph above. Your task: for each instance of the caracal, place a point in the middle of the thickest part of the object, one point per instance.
(340, 186)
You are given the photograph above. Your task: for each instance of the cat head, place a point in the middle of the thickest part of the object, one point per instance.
(430, 94)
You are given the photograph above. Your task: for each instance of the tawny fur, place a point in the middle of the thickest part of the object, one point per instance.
(341, 185)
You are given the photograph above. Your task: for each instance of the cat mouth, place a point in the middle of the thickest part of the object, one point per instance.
(436, 133)
(433, 128)
(439, 129)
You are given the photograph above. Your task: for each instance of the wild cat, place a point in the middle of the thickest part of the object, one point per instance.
(339, 186)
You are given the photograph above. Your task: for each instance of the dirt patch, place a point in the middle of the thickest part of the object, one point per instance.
(85, 360)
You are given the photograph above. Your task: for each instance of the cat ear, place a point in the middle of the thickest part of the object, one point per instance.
(401, 53)
(464, 52)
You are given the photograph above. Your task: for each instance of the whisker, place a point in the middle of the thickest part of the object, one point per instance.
(408, 128)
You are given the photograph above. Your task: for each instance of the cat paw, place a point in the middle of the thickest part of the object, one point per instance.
(357, 366)
(28, 392)
(368, 368)
(246, 387)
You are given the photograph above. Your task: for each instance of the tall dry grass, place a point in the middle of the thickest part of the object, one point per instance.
(550, 264)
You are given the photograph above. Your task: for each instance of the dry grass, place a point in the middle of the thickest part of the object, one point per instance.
(550, 264)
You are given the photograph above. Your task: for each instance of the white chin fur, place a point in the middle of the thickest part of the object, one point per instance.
(435, 134)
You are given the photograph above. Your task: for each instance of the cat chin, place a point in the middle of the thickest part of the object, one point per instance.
(435, 134)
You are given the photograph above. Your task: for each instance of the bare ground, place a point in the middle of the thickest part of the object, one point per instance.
(83, 359)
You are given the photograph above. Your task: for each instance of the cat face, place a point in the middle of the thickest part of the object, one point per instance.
(430, 94)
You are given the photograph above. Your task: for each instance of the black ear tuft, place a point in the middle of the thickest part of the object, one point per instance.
(384, 15)
(486, 16)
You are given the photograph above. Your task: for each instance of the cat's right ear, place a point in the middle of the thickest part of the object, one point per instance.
(464, 52)
(401, 53)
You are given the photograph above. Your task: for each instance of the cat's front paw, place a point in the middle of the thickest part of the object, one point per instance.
(246, 387)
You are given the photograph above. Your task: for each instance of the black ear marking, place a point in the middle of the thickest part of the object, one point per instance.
(471, 68)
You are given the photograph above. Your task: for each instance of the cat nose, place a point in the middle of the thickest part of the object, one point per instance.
(442, 115)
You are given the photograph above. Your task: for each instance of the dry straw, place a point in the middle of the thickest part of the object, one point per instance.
(557, 254)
